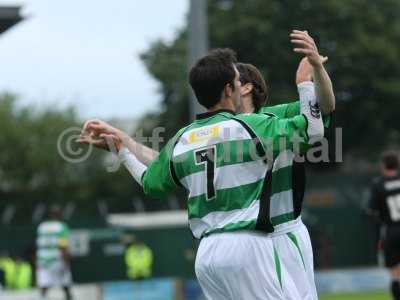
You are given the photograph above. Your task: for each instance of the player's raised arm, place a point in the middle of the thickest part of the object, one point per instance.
(305, 71)
(278, 134)
(309, 109)
(323, 85)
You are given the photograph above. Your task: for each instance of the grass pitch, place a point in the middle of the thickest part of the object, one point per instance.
(379, 295)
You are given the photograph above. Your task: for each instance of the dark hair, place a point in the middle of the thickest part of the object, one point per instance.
(250, 74)
(210, 74)
(390, 160)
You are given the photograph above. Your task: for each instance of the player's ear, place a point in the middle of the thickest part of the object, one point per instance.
(246, 89)
(227, 90)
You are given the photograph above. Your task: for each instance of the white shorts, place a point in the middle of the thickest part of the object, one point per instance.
(57, 274)
(294, 248)
(242, 266)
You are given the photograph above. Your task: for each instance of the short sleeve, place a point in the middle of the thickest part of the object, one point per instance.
(290, 110)
(286, 110)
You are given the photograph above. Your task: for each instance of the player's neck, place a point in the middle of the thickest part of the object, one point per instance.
(222, 105)
(246, 105)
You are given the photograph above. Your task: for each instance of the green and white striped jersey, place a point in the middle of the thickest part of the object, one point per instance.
(51, 237)
(220, 160)
(288, 177)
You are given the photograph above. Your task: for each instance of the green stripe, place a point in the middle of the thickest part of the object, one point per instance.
(241, 225)
(326, 119)
(281, 180)
(225, 200)
(50, 234)
(59, 234)
(48, 259)
(50, 247)
(278, 266)
(282, 218)
(293, 238)
(46, 262)
(228, 153)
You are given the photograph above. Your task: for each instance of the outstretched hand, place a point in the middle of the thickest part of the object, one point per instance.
(102, 135)
(305, 44)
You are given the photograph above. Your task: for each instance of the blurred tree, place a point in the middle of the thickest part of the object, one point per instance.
(360, 37)
(41, 163)
(167, 64)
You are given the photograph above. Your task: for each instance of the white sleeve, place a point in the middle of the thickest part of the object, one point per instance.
(310, 109)
(132, 164)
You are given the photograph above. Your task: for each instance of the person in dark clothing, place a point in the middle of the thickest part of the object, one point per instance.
(385, 205)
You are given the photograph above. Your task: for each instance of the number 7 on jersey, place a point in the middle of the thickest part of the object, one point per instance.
(207, 157)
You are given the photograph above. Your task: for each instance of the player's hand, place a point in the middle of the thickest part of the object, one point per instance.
(305, 44)
(97, 126)
(114, 142)
(305, 70)
(107, 141)
(92, 134)
(91, 139)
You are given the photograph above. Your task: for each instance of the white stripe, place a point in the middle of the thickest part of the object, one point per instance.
(284, 159)
(228, 131)
(47, 241)
(49, 253)
(281, 203)
(50, 227)
(308, 100)
(226, 177)
(219, 219)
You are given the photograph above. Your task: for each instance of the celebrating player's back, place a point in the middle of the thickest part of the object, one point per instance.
(225, 162)
(292, 240)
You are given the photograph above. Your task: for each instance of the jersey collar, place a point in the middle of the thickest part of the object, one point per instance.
(210, 114)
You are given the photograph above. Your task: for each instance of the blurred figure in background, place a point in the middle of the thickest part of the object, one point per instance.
(295, 246)
(385, 205)
(138, 259)
(53, 258)
(7, 267)
(23, 275)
